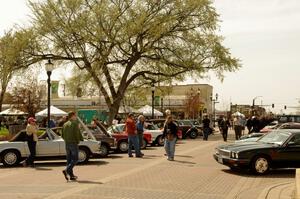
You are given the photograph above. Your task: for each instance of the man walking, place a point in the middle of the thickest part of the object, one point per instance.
(224, 125)
(132, 136)
(72, 136)
(206, 127)
(140, 131)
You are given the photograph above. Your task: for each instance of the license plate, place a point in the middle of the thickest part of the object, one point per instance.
(220, 160)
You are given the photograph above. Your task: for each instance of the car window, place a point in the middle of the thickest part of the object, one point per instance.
(295, 140)
(275, 137)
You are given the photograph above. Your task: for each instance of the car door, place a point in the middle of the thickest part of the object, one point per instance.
(47, 145)
(289, 154)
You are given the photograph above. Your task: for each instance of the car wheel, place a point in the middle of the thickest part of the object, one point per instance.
(104, 150)
(123, 146)
(160, 140)
(261, 165)
(83, 155)
(193, 134)
(10, 158)
(144, 145)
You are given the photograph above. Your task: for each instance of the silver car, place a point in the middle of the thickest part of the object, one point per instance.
(49, 145)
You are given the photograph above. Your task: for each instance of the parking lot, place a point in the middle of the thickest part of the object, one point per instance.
(193, 174)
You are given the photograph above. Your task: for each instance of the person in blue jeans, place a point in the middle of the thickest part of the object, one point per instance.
(72, 136)
(170, 135)
(131, 131)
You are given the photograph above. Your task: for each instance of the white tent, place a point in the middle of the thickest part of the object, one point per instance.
(12, 112)
(53, 112)
(147, 111)
(238, 114)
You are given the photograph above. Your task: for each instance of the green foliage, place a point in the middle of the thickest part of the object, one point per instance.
(120, 43)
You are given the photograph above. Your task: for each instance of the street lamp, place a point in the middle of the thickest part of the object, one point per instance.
(152, 90)
(253, 104)
(215, 101)
(49, 67)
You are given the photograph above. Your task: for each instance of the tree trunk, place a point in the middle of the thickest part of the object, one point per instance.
(113, 111)
(1, 99)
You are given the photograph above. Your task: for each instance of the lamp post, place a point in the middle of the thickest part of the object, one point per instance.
(214, 101)
(49, 68)
(253, 104)
(152, 90)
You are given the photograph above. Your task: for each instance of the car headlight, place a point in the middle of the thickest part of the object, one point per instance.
(234, 155)
(216, 151)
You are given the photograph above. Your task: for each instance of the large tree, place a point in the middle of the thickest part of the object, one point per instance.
(120, 42)
(15, 53)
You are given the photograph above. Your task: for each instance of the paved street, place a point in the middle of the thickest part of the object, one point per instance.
(193, 175)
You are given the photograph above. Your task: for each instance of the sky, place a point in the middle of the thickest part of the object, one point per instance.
(263, 34)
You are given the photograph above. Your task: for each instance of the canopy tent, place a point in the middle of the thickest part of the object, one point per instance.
(127, 109)
(53, 111)
(147, 111)
(12, 112)
(238, 114)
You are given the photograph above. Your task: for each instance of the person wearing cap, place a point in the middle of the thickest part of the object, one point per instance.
(72, 136)
(32, 138)
(131, 131)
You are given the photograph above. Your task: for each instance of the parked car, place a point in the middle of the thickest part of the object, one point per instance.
(156, 133)
(288, 125)
(50, 146)
(118, 131)
(277, 149)
(108, 143)
(253, 137)
(160, 125)
(189, 129)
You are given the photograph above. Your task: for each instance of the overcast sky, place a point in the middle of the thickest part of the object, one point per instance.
(264, 34)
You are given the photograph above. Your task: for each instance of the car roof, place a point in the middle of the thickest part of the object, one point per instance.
(293, 131)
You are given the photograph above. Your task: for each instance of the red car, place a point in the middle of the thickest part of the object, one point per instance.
(118, 132)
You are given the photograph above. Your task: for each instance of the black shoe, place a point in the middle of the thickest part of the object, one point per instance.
(65, 174)
(130, 156)
(73, 178)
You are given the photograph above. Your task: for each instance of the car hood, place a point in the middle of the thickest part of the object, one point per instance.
(245, 146)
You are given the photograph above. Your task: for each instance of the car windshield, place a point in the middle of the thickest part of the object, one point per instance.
(275, 137)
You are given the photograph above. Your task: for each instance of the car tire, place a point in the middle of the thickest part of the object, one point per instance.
(83, 155)
(144, 145)
(260, 165)
(160, 140)
(193, 134)
(10, 158)
(104, 149)
(123, 146)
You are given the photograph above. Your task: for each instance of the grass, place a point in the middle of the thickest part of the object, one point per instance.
(4, 132)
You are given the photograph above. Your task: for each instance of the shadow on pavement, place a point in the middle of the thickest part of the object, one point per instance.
(88, 182)
(274, 173)
(184, 162)
(184, 156)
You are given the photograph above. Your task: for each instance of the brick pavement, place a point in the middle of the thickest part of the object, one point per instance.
(193, 175)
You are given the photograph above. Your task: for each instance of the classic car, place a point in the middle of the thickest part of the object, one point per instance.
(118, 131)
(160, 124)
(189, 129)
(277, 149)
(156, 134)
(108, 143)
(288, 125)
(49, 146)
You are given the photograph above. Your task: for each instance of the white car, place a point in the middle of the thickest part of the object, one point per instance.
(157, 134)
(49, 145)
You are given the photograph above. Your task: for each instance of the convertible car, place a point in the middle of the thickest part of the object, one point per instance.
(277, 149)
(49, 146)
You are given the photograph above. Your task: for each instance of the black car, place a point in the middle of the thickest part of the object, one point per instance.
(277, 149)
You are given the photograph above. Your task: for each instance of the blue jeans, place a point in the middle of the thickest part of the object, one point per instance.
(72, 157)
(206, 132)
(133, 141)
(170, 148)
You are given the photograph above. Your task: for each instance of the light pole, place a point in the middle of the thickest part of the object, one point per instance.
(253, 104)
(214, 101)
(152, 90)
(49, 68)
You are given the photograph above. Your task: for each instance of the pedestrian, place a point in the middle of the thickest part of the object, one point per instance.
(255, 124)
(225, 124)
(206, 127)
(32, 138)
(249, 125)
(72, 136)
(140, 130)
(132, 136)
(170, 134)
(237, 122)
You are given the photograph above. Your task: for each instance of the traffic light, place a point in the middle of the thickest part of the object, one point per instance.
(273, 105)
(284, 106)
